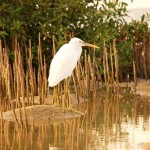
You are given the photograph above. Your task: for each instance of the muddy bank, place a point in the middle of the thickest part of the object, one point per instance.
(143, 88)
(41, 114)
(145, 146)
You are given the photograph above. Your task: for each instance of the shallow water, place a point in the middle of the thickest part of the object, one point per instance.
(110, 123)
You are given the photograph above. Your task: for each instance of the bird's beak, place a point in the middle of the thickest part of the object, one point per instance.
(90, 45)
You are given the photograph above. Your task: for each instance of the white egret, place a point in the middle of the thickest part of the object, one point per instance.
(65, 60)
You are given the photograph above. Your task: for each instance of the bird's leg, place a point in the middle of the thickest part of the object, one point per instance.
(55, 97)
(68, 91)
(65, 94)
(69, 99)
(59, 94)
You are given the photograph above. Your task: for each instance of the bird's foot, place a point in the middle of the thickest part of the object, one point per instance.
(76, 111)
(55, 104)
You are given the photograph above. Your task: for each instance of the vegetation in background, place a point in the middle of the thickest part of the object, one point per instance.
(93, 21)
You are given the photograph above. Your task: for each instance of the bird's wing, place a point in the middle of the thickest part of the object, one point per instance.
(62, 64)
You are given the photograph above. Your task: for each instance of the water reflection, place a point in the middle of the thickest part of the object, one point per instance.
(110, 123)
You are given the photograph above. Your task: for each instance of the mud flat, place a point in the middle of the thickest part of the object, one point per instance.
(43, 114)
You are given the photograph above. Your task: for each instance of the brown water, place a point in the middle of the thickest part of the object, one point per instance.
(109, 124)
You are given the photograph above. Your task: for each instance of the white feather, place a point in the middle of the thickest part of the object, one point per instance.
(64, 61)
